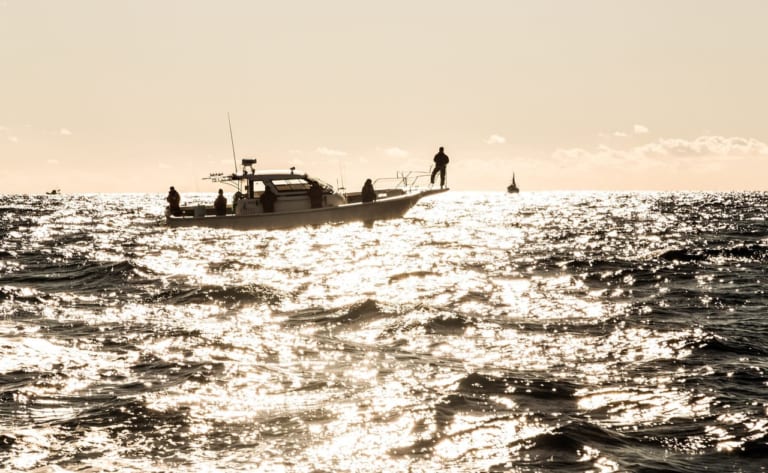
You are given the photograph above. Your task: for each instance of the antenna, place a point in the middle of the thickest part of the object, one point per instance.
(341, 176)
(232, 140)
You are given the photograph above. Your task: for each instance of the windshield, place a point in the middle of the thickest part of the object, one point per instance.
(325, 185)
(298, 184)
(287, 185)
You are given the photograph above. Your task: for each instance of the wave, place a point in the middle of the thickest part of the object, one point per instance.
(174, 373)
(756, 252)
(411, 274)
(16, 294)
(717, 344)
(540, 388)
(572, 437)
(12, 381)
(370, 311)
(566, 447)
(158, 431)
(229, 296)
(81, 275)
(366, 310)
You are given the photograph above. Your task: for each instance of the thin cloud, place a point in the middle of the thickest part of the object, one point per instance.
(65, 132)
(396, 152)
(5, 131)
(636, 130)
(52, 161)
(496, 140)
(670, 148)
(705, 146)
(330, 152)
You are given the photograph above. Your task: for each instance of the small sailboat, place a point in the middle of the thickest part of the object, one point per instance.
(512, 188)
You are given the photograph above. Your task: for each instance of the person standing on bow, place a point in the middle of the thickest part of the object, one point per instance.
(441, 162)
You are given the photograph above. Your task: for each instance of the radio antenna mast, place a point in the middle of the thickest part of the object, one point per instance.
(232, 140)
(234, 156)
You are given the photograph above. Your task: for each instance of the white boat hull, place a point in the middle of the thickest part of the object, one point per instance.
(381, 209)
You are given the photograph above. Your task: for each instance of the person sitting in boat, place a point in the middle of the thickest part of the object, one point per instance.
(174, 199)
(220, 204)
(315, 195)
(235, 198)
(267, 199)
(368, 194)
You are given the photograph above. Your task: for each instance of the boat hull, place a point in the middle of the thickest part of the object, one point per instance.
(382, 209)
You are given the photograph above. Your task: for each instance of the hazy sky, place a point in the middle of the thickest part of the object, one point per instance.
(133, 96)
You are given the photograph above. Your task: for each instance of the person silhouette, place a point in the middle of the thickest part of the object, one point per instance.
(267, 199)
(174, 199)
(220, 204)
(368, 194)
(315, 195)
(441, 162)
(235, 199)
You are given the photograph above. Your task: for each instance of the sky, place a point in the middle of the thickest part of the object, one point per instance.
(134, 96)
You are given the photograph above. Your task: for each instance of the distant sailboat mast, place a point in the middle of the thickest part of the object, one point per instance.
(512, 188)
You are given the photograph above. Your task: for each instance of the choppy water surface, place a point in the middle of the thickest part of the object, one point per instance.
(482, 332)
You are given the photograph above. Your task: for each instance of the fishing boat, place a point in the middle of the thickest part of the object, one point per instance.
(512, 188)
(292, 205)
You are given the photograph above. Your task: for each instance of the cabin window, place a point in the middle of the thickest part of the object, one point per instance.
(255, 188)
(258, 186)
(287, 185)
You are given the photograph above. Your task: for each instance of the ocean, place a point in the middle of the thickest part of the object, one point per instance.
(482, 332)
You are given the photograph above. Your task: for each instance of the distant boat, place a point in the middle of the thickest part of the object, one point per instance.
(512, 188)
(54, 192)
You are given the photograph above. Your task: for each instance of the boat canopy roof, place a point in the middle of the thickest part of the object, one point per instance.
(281, 179)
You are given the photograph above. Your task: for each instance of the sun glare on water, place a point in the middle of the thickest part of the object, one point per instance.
(454, 336)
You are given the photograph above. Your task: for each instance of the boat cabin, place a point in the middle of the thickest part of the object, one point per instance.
(291, 188)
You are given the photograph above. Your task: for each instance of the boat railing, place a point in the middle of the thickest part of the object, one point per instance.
(408, 181)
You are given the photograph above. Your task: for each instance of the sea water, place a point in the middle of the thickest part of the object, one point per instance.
(544, 331)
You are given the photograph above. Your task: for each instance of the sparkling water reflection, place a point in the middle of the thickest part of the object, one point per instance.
(483, 332)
